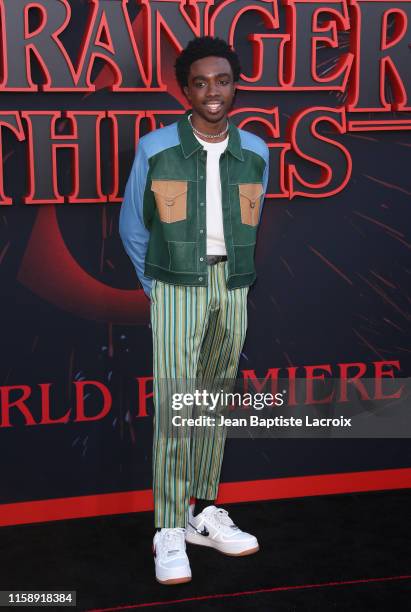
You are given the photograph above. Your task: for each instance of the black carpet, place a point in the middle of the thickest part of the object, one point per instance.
(335, 552)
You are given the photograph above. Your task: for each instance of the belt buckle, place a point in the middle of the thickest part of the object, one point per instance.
(213, 259)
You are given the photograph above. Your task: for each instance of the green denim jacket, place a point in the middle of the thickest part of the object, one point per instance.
(163, 215)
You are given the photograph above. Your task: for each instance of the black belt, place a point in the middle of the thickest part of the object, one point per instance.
(213, 259)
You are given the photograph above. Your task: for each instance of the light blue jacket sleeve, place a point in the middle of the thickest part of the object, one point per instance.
(133, 232)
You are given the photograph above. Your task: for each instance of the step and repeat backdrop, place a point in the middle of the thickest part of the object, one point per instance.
(328, 86)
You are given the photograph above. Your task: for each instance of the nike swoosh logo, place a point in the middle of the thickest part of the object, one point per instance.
(204, 532)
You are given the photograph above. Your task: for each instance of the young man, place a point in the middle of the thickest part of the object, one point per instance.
(188, 221)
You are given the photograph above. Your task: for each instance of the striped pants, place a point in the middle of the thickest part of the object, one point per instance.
(198, 334)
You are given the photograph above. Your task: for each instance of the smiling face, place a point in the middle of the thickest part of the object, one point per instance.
(210, 91)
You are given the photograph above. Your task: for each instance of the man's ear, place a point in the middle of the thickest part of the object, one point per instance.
(185, 89)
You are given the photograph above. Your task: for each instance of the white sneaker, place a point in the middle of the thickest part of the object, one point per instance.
(213, 527)
(170, 557)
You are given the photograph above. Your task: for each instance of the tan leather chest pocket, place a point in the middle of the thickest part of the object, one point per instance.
(171, 199)
(250, 202)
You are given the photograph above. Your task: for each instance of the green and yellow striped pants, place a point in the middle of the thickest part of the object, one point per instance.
(198, 334)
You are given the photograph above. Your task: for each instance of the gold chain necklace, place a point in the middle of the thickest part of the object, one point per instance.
(208, 135)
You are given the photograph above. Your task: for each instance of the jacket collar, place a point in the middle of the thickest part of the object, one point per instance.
(190, 144)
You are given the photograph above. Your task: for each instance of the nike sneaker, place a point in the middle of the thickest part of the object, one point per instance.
(170, 557)
(214, 528)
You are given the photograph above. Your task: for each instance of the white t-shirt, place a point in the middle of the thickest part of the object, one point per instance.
(215, 232)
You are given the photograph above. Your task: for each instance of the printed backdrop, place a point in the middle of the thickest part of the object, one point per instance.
(81, 81)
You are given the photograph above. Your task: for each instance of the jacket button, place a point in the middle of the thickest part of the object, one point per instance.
(201, 203)
(201, 258)
(200, 278)
(201, 231)
(201, 176)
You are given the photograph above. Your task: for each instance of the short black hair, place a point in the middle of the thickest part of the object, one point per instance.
(204, 46)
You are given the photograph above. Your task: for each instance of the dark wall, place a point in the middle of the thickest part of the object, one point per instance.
(333, 275)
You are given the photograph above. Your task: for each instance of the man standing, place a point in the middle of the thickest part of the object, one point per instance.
(189, 221)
